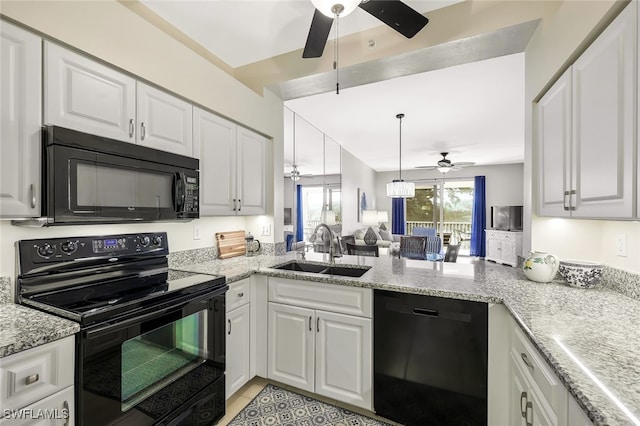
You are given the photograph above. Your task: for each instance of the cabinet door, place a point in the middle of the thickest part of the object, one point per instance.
(508, 249)
(553, 115)
(20, 85)
(291, 356)
(518, 397)
(576, 416)
(344, 358)
(603, 122)
(215, 146)
(252, 172)
(84, 95)
(164, 121)
(493, 246)
(527, 408)
(237, 349)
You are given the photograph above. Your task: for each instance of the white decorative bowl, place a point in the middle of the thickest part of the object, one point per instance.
(580, 273)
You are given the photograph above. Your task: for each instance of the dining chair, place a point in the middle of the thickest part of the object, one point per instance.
(433, 244)
(451, 255)
(412, 247)
(360, 250)
(351, 239)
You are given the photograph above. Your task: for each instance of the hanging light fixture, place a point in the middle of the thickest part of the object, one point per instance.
(331, 8)
(398, 188)
(295, 174)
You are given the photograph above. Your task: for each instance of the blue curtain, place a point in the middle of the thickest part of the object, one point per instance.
(397, 216)
(478, 217)
(299, 224)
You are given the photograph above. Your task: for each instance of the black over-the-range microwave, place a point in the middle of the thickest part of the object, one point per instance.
(91, 179)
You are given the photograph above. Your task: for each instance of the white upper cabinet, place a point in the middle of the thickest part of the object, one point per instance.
(554, 148)
(586, 130)
(604, 87)
(20, 112)
(233, 166)
(164, 121)
(84, 95)
(251, 172)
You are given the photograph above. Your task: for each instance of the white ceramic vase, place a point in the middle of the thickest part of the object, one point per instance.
(540, 266)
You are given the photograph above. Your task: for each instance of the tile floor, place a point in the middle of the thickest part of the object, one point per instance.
(244, 395)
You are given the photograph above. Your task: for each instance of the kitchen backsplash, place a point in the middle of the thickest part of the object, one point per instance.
(627, 283)
(188, 257)
(5, 290)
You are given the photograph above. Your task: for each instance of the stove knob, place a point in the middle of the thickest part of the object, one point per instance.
(46, 250)
(69, 247)
(156, 240)
(144, 241)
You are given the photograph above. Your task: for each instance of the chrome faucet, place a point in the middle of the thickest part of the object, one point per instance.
(332, 256)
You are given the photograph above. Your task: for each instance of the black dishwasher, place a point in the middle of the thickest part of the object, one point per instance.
(430, 359)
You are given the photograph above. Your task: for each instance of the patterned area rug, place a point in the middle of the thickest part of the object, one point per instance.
(276, 406)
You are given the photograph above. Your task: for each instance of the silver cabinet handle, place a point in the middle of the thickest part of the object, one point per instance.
(234, 205)
(526, 361)
(565, 205)
(32, 195)
(523, 404)
(143, 132)
(529, 410)
(65, 408)
(309, 322)
(131, 128)
(572, 199)
(240, 294)
(318, 325)
(239, 204)
(32, 379)
(229, 332)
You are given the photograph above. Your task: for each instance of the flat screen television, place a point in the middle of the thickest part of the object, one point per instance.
(506, 218)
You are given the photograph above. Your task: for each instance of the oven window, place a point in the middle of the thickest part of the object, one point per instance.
(109, 186)
(156, 358)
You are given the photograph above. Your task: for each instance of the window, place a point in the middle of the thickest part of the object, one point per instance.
(313, 199)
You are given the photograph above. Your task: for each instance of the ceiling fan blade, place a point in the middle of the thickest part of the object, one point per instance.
(318, 35)
(426, 167)
(464, 164)
(397, 15)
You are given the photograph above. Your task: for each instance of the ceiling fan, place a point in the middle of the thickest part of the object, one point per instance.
(445, 165)
(295, 174)
(394, 13)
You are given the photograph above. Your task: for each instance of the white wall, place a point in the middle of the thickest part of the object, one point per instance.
(503, 184)
(355, 174)
(110, 31)
(555, 44)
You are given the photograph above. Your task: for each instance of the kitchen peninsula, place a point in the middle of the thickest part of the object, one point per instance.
(583, 335)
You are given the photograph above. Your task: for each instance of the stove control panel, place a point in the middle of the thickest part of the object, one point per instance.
(52, 250)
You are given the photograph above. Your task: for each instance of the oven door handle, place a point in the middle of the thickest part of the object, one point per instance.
(92, 334)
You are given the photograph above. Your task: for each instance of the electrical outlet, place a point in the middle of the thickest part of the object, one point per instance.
(621, 245)
(266, 230)
(196, 232)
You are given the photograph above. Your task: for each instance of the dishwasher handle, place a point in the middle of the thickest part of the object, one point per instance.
(426, 312)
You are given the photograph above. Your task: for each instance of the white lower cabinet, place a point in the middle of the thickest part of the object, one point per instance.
(36, 385)
(238, 338)
(317, 350)
(503, 246)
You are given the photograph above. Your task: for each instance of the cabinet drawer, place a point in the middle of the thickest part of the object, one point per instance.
(239, 294)
(537, 371)
(29, 376)
(327, 297)
(57, 409)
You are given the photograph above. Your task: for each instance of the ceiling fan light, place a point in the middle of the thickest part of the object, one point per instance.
(443, 169)
(401, 189)
(326, 7)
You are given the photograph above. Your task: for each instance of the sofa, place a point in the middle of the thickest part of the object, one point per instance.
(385, 237)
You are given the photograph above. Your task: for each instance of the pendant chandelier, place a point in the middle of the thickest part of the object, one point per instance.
(295, 173)
(398, 188)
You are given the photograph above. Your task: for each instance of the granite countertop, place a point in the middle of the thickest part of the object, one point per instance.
(22, 328)
(589, 337)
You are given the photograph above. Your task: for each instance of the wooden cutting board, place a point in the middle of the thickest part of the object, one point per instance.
(231, 244)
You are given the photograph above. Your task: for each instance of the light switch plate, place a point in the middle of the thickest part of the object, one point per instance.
(266, 230)
(621, 245)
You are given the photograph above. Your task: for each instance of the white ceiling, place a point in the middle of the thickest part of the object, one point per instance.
(475, 110)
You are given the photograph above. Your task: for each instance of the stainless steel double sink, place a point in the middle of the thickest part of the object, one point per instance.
(319, 268)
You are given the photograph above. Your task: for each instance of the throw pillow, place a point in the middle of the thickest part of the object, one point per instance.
(386, 235)
(358, 234)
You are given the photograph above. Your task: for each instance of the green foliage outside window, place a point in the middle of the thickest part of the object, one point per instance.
(458, 204)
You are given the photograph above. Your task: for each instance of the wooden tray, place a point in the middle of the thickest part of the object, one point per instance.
(231, 244)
